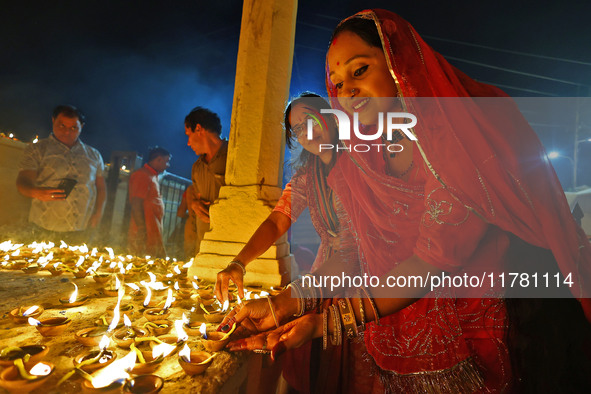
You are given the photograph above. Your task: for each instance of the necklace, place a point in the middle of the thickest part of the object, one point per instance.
(412, 164)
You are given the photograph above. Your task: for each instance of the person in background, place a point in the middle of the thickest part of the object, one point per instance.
(190, 224)
(203, 129)
(64, 177)
(147, 208)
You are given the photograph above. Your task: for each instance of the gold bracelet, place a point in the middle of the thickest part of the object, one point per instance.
(347, 317)
(373, 306)
(361, 311)
(324, 329)
(273, 312)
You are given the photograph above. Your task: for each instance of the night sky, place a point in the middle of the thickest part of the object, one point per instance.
(136, 68)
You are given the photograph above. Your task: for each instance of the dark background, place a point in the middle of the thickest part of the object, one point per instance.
(136, 68)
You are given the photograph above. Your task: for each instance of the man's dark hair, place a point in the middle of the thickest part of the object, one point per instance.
(157, 152)
(207, 119)
(69, 111)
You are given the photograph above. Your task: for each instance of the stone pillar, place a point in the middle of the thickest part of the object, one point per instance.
(255, 155)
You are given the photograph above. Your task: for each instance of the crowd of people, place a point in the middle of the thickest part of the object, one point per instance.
(448, 198)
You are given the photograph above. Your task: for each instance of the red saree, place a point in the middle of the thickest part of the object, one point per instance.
(474, 185)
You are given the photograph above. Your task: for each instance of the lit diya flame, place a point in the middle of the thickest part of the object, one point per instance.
(148, 296)
(63, 245)
(169, 299)
(56, 265)
(185, 353)
(94, 252)
(34, 322)
(110, 251)
(189, 264)
(104, 343)
(74, 295)
(126, 321)
(176, 286)
(80, 261)
(264, 293)
(203, 330)
(117, 283)
(40, 369)
(117, 371)
(177, 270)
(129, 266)
(180, 332)
(112, 265)
(195, 285)
(152, 277)
(36, 139)
(238, 301)
(16, 253)
(115, 320)
(225, 306)
(30, 310)
(163, 349)
(247, 295)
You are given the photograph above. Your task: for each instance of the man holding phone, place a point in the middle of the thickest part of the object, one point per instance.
(64, 177)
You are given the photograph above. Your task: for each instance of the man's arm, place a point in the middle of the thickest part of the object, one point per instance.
(26, 185)
(99, 206)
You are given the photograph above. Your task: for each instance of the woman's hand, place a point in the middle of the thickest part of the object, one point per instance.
(289, 336)
(233, 273)
(256, 316)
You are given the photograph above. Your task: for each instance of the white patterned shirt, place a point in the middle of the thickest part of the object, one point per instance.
(54, 161)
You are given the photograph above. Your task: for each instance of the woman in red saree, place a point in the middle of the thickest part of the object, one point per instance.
(458, 197)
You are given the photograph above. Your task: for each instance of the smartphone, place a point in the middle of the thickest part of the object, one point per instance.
(67, 184)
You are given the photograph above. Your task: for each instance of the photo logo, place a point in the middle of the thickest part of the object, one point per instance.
(345, 130)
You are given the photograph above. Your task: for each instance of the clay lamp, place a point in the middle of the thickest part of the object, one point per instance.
(216, 316)
(274, 290)
(18, 264)
(158, 327)
(90, 336)
(25, 377)
(79, 273)
(102, 278)
(147, 361)
(21, 315)
(127, 335)
(182, 292)
(194, 363)
(144, 384)
(55, 269)
(31, 268)
(74, 299)
(51, 327)
(112, 291)
(109, 380)
(9, 354)
(95, 359)
(194, 328)
(214, 341)
(154, 314)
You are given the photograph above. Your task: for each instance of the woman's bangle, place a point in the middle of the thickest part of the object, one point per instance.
(298, 296)
(239, 264)
(361, 328)
(336, 338)
(324, 329)
(273, 312)
(373, 306)
(347, 317)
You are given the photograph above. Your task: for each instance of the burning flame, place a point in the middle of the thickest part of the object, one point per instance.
(238, 301)
(34, 322)
(189, 264)
(117, 283)
(185, 353)
(177, 270)
(104, 343)
(40, 369)
(117, 371)
(176, 286)
(203, 330)
(80, 261)
(225, 306)
(264, 293)
(16, 252)
(126, 321)
(180, 332)
(148, 296)
(195, 285)
(74, 294)
(94, 252)
(169, 299)
(30, 310)
(152, 277)
(110, 251)
(163, 349)
(36, 139)
(115, 321)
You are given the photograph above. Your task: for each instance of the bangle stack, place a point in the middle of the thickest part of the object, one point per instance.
(239, 264)
(309, 297)
(343, 318)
